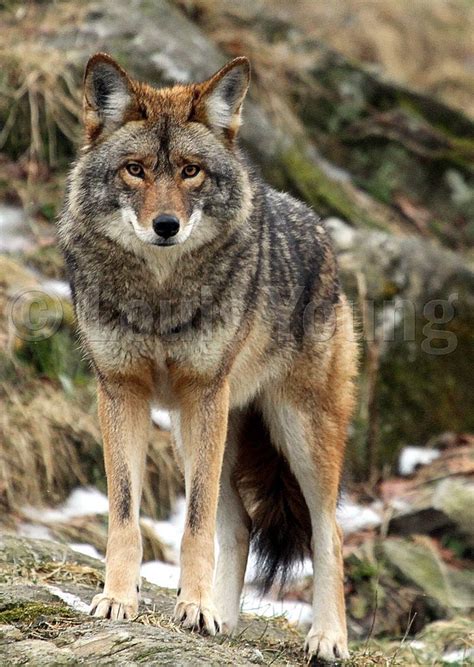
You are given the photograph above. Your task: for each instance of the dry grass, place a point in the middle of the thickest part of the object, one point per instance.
(50, 444)
(426, 44)
(40, 105)
(38, 85)
(49, 433)
(45, 441)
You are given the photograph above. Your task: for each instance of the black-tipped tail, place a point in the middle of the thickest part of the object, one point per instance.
(281, 524)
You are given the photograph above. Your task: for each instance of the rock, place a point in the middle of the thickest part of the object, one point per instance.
(438, 500)
(418, 561)
(455, 497)
(390, 139)
(440, 643)
(418, 318)
(36, 652)
(38, 627)
(157, 42)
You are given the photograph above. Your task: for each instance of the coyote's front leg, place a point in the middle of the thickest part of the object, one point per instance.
(200, 438)
(124, 414)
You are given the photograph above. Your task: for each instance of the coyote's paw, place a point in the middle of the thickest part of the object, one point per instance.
(228, 611)
(197, 616)
(324, 647)
(228, 627)
(116, 608)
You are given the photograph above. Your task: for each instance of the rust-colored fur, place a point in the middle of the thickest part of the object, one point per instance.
(200, 288)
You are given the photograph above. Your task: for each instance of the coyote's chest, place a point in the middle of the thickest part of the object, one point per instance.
(136, 321)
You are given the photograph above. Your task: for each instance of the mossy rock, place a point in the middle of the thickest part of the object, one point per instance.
(153, 639)
(420, 315)
(418, 561)
(409, 151)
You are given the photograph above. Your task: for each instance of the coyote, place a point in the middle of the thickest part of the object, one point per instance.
(200, 289)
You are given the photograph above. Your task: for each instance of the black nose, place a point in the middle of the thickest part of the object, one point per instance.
(166, 226)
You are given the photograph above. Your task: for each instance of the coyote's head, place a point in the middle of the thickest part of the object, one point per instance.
(160, 164)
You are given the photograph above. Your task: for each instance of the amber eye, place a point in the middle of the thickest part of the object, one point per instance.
(136, 170)
(190, 171)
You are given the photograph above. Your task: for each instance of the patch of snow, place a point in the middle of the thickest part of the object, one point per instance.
(342, 234)
(71, 600)
(161, 574)
(296, 612)
(83, 501)
(34, 531)
(299, 572)
(161, 418)
(412, 457)
(58, 288)
(15, 234)
(461, 656)
(170, 532)
(86, 550)
(353, 517)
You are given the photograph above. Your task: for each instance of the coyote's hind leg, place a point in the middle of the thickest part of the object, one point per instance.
(316, 466)
(233, 536)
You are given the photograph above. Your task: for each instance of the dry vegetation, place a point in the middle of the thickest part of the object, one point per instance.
(426, 44)
(49, 436)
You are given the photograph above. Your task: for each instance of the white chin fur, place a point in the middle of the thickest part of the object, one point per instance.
(149, 236)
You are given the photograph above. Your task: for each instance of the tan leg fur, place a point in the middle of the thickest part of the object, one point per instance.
(124, 413)
(200, 441)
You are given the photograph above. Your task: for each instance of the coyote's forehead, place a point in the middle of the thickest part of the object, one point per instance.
(163, 138)
(175, 102)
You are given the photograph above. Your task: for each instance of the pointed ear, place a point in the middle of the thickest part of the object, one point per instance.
(219, 99)
(109, 100)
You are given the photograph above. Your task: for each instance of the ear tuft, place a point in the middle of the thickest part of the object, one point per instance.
(220, 98)
(109, 100)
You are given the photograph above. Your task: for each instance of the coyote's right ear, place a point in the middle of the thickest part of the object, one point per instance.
(109, 100)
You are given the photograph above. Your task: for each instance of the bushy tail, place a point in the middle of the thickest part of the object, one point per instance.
(281, 524)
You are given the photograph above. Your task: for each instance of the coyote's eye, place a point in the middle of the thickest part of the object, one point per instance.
(134, 169)
(190, 171)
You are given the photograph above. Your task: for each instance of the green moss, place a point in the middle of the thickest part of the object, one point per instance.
(27, 612)
(306, 180)
(57, 358)
(420, 392)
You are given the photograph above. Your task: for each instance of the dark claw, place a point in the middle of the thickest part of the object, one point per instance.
(217, 626)
(178, 592)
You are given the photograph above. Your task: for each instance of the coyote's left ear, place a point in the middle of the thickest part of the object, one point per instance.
(109, 99)
(219, 99)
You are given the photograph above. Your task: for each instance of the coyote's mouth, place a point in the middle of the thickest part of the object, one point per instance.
(149, 237)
